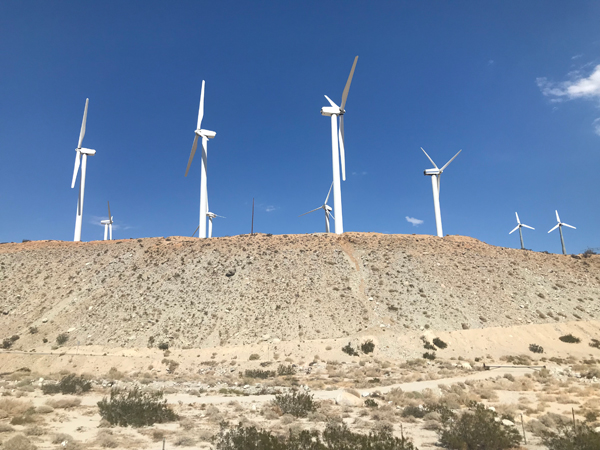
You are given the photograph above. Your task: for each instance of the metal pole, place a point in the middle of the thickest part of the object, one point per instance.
(523, 426)
(521, 236)
(164, 439)
(252, 227)
(562, 241)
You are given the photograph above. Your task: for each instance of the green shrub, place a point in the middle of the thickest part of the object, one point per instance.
(429, 346)
(370, 403)
(71, 384)
(536, 348)
(284, 370)
(335, 437)
(414, 411)
(254, 357)
(62, 338)
(7, 343)
(477, 429)
(349, 350)
(258, 373)
(135, 408)
(595, 343)
(429, 355)
(296, 403)
(439, 343)
(583, 438)
(33, 330)
(163, 346)
(367, 347)
(570, 339)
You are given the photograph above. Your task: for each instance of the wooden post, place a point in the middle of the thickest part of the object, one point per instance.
(523, 426)
(574, 424)
(164, 439)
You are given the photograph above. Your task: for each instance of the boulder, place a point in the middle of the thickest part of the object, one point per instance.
(347, 399)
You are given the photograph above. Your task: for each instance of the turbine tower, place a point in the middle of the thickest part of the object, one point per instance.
(337, 149)
(519, 226)
(325, 207)
(205, 135)
(436, 175)
(108, 225)
(81, 159)
(559, 225)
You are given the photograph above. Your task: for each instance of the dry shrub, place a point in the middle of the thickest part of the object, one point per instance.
(64, 403)
(60, 438)
(184, 440)
(186, 423)
(205, 435)
(44, 409)
(105, 439)
(18, 442)
(157, 435)
(14, 407)
(6, 428)
(35, 431)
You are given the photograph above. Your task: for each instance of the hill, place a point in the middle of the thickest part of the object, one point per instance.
(235, 291)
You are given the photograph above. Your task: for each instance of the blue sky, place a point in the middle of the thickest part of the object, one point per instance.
(515, 85)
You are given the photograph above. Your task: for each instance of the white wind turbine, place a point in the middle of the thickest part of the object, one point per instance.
(205, 135)
(108, 225)
(337, 149)
(210, 216)
(435, 175)
(325, 207)
(559, 225)
(519, 226)
(81, 159)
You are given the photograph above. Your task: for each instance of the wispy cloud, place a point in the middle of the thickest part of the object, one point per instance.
(596, 124)
(579, 86)
(577, 56)
(270, 208)
(415, 222)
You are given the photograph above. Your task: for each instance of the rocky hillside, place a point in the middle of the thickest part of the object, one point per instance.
(197, 293)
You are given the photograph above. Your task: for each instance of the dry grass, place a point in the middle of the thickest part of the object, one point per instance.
(63, 403)
(18, 442)
(13, 407)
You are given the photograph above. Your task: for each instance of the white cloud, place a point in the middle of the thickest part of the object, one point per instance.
(596, 124)
(415, 222)
(576, 56)
(270, 208)
(578, 87)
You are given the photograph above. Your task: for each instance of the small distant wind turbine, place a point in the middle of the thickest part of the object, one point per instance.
(436, 175)
(205, 135)
(210, 216)
(81, 159)
(519, 226)
(559, 225)
(325, 207)
(108, 225)
(337, 149)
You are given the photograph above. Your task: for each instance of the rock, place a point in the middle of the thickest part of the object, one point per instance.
(276, 341)
(266, 337)
(70, 330)
(347, 399)
(508, 423)
(230, 273)
(465, 365)
(465, 326)
(44, 320)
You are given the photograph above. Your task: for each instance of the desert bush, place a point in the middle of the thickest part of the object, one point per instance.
(595, 343)
(60, 438)
(34, 431)
(439, 343)
(349, 350)
(62, 338)
(336, 436)
(70, 384)
(370, 403)
(6, 428)
(7, 343)
(258, 373)
(283, 370)
(478, 429)
(367, 347)
(14, 407)
(429, 355)
(163, 346)
(64, 403)
(135, 407)
(570, 339)
(414, 411)
(23, 419)
(44, 409)
(254, 357)
(18, 442)
(567, 438)
(105, 439)
(518, 360)
(536, 348)
(184, 440)
(296, 403)
(33, 330)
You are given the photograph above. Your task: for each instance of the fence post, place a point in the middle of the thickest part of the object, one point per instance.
(523, 426)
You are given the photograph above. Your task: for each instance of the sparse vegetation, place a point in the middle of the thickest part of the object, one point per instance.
(567, 438)
(370, 403)
(70, 384)
(535, 348)
(439, 343)
(367, 346)
(429, 355)
(254, 357)
(296, 403)
(135, 407)
(595, 343)
(349, 350)
(62, 338)
(258, 373)
(284, 370)
(570, 339)
(163, 346)
(18, 442)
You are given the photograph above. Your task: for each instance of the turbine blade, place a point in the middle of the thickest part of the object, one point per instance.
(347, 87)
(518, 221)
(77, 162)
(193, 152)
(197, 228)
(527, 226)
(310, 211)
(109, 216)
(557, 218)
(330, 215)
(429, 158)
(329, 193)
(342, 150)
(554, 228)
(570, 226)
(331, 102)
(222, 217)
(201, 109)
(83, 122)
(514, 229)
(448, 163)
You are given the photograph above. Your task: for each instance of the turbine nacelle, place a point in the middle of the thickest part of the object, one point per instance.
(206, 133)
(86, 151)
(106, 222)
(431, 172)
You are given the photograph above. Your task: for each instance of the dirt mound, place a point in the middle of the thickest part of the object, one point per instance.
(240, 290)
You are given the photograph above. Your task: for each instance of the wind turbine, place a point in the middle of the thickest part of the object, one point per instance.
(81, 159)
(210, 216)
(519, 226)
(325, 207)
(108, 225)
(337, 149)
(205, 135)
(559, 225)
(435, 175)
